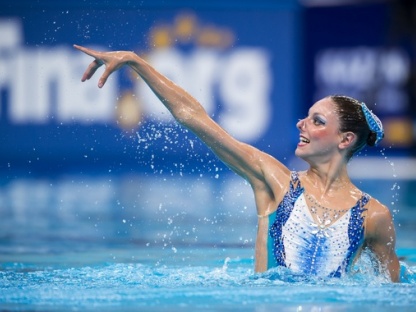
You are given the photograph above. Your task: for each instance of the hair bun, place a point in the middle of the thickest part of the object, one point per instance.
(371, 139)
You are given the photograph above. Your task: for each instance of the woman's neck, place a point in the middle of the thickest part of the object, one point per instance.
(327, 181)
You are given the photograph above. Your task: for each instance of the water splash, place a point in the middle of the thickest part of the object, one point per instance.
(395, 188)
(231, 285)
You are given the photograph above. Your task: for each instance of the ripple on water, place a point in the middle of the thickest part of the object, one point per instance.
(230, 285)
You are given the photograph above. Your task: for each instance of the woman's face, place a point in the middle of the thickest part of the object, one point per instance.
(319, 132)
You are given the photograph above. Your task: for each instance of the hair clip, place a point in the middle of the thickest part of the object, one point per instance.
(373, 123)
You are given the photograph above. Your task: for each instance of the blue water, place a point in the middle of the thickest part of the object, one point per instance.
(136, 242)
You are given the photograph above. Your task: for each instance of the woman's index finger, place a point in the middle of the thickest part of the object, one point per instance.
(90, 52)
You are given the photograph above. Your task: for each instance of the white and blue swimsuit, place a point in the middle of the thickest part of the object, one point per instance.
(297, 242)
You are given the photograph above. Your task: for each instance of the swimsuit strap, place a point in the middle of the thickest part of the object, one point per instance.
(295, 184)
(282, 214)
(365, 198)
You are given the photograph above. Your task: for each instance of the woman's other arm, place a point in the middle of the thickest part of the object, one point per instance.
(381, 238)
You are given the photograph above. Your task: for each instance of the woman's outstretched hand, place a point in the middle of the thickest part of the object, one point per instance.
(111, 60)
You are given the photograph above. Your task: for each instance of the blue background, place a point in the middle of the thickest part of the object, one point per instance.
(291, 33)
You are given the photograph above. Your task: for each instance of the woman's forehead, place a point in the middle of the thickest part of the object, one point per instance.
(325, 106)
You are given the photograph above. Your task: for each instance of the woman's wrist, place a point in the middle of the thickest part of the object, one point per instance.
(133, 60)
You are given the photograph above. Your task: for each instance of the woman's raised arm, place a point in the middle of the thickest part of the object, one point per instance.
(245, 160)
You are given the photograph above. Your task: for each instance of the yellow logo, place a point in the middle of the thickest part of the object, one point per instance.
(186, 29)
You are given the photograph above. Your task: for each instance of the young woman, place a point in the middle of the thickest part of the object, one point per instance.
(313, 222)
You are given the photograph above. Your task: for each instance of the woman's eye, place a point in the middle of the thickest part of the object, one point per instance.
(318, 121)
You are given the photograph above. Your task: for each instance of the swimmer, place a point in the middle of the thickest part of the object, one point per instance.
(314, 222)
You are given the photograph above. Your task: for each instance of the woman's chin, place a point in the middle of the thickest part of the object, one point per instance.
(301, 154)
(298, 152)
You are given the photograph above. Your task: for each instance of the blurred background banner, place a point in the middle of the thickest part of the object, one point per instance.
(239, 62)
(256, 67)
(367, 52)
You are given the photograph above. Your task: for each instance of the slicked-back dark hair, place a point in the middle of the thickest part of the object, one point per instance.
(351, 118)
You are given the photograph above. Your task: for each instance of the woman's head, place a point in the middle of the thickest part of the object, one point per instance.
(352, 119)
(337, 122)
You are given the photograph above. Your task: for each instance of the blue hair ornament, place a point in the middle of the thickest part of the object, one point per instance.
(373, 123)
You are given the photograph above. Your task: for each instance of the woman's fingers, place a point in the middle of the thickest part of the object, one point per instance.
(92, 68)
(89, 72)
(110, 60)
(104, 77)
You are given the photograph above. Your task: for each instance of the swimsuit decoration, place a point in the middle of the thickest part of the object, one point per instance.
(373, 123)
(306, 246)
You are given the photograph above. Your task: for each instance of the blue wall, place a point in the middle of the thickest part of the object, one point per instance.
(368, 52)
(239, 60)
(255, 65)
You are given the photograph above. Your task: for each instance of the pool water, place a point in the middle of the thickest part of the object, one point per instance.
(141, 242)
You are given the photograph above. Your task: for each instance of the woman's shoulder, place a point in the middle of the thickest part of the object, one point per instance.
(270, 188)
(274, 168)
(378, 216)
(371, 205)
(375, 207)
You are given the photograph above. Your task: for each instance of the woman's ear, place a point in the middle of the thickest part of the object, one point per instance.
(347, 140)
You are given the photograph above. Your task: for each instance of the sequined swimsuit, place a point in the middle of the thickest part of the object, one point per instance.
(297, 242)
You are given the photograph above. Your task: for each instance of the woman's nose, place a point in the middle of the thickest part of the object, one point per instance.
(300, 124)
